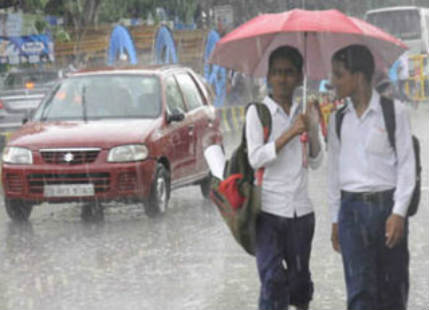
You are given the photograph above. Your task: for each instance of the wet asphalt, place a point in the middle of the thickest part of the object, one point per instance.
(184, 260)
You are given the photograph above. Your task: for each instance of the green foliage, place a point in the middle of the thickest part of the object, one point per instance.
(33, 5)
(112, 11)
(61, 35)
(40, 24)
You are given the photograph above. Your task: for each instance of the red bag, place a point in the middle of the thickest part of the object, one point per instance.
(229, 189)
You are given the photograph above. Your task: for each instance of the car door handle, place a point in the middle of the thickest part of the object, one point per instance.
(191, 129)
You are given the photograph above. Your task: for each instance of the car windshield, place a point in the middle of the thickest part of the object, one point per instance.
(100, 97)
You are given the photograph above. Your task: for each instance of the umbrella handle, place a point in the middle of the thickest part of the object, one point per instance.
(304, 140)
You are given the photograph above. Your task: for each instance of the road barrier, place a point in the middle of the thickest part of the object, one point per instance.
(417, 86)
(93, 44)
(4, 137)
(231, 118)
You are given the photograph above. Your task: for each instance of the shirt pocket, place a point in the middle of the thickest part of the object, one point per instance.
(378, 142)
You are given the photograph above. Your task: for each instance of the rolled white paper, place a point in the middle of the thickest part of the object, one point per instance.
(215, 159)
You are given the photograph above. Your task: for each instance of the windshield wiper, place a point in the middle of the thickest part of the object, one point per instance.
(84, 111)
(48, 102)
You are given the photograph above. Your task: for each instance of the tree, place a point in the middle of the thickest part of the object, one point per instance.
(8, 4)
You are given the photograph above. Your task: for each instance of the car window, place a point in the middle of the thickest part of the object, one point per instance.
(13, 80)
(206, 89)
(16, 80)
(190, 91)
(173, 96)
(110, 96)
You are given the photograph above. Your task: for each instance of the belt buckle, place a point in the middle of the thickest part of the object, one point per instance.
(366, 197)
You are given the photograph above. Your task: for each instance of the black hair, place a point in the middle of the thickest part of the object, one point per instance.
(288, 52)
(356, 58)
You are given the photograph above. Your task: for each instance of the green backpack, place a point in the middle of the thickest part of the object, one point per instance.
(237, 198)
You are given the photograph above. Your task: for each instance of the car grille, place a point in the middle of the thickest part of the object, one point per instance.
(69, 156)
(14, 183)
(101, 180)
(127, 181)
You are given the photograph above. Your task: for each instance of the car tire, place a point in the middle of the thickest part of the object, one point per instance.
(160, 193)
(92, 212)
(205, 186)
(18, 210)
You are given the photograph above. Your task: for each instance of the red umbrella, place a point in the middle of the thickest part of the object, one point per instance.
(317, 34)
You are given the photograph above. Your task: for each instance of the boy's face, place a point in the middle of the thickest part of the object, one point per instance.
(343, 81)
(283, 77)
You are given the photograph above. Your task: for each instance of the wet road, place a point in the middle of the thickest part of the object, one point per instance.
(184, 260)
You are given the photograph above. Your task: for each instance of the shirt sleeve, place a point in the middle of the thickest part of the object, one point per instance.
(260, 153)
(406, 172)
(334, 190)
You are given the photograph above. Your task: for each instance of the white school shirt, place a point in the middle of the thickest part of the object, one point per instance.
(364, 161)
(284, 183)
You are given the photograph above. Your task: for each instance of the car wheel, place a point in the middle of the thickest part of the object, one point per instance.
(17, 209)
(92, 212)
(160, 193)
(205, 186)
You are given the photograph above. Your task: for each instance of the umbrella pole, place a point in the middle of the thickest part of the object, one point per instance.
(304, 95)
(304, 136)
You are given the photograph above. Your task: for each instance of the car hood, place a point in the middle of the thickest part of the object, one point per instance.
(102, 134)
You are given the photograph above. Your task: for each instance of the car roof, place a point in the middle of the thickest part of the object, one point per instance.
(146, 69)
(392, 8)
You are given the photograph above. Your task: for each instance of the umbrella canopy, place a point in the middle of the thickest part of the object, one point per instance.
(317, 34)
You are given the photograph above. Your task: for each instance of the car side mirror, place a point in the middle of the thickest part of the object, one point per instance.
(27, 117)
(175, 116)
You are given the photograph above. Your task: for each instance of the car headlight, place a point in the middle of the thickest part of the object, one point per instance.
(126, 153)
(17, 155)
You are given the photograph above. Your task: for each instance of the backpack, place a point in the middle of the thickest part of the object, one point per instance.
(388, 109)
(237, 198)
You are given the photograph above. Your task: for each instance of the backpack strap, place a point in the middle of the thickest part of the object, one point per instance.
(388, 108)
(339, 116)
(265, 117)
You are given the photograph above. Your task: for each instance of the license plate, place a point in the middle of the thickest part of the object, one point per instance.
(72, 190)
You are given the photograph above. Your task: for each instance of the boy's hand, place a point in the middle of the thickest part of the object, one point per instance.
(395, 226)
(300, 124)
(334, 238)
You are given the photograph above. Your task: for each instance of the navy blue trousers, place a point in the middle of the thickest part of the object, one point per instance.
(376, 276)
(283, 247)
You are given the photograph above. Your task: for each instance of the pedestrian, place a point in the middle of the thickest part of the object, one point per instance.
(399, 74)
(370, 186)
(285, 226)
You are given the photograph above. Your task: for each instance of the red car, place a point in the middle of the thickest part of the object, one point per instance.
(129, 134)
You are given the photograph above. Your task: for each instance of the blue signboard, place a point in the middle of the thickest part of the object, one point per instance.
(26, 49)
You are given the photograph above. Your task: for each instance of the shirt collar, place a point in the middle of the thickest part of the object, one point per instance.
(274, 107)
(373, 103)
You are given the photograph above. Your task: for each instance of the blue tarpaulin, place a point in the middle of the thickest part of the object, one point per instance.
(214, 74)
(121, 43)
(165, 48)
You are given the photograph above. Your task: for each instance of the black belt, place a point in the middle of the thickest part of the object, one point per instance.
(367, 196)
